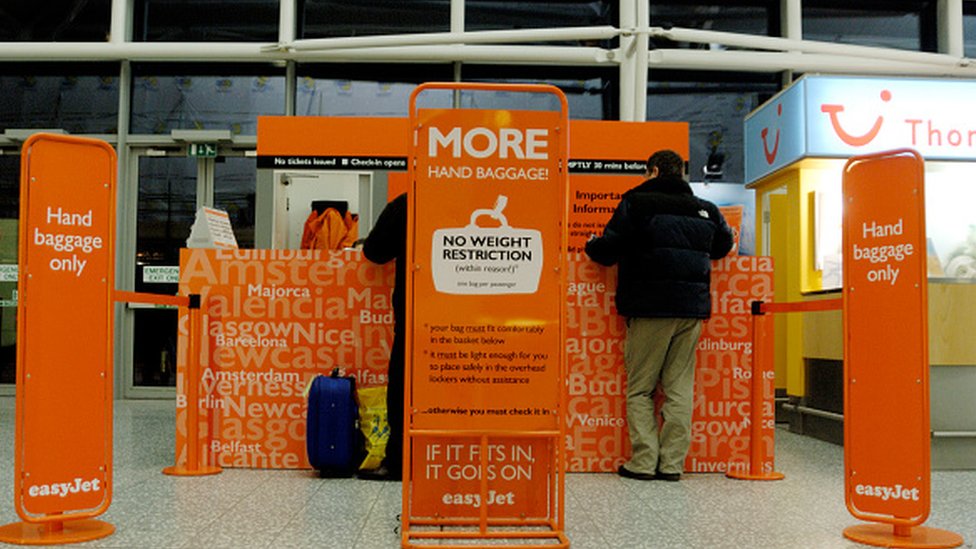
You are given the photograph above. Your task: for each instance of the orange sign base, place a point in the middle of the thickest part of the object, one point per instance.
(745, 475)
(884, 535)
(180, 471)
(55, 533)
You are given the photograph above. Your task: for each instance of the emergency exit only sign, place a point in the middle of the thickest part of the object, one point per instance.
(203, 150)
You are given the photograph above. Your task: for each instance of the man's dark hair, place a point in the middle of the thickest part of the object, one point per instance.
(667, 162)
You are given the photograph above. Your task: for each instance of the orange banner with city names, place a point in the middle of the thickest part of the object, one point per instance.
(64, 338)
(596, 424)
(488, 210)
(886, 406)
(273, 320)
(601, 170)
(720, 425)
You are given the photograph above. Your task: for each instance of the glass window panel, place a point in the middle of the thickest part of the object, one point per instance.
(354, 90)
(9, 218)
(163, 101)
(969, 28)
(590, 93)
(235, 184)
(166, 210)
(907, 25)
(55, 21)
(508, 15)
(715, 108)
(331, 18)
(77, 99)
(210, 21)
(758, 17)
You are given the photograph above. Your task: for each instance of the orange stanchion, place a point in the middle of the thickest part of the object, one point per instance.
(759, 309)
(756, 453)
(195, 465)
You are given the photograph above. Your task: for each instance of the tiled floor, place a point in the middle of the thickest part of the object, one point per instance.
(281, 509)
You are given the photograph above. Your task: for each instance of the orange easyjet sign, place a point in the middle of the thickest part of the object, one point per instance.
(488, 209)
(64, 328)
(886, 408)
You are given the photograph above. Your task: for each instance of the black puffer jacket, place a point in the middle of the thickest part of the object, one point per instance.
(663, 237)
(386, 242)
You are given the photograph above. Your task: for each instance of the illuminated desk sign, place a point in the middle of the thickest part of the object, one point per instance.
(842, 116)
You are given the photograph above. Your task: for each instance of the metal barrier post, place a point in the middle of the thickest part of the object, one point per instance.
(755, 471)
(194, 465)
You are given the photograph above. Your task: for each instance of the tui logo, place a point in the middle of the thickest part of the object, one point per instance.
(771, 154)
(833, 111)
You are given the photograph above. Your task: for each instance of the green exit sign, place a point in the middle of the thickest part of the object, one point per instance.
(203, 150)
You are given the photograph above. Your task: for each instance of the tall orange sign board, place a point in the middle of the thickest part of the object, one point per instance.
(886, 407)
(488, 236)
(64, 329)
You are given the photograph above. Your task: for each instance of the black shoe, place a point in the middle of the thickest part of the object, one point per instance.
(669, 477)
(627, 473)
(380, 473)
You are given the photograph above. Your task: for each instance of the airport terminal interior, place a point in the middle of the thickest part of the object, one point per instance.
(176, 88)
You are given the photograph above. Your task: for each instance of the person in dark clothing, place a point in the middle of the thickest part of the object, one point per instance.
(663, 238)
(387, 241)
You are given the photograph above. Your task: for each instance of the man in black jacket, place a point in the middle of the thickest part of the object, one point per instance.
(387, 241)
(663, 238)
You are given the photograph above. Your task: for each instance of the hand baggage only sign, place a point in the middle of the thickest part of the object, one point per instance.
(886, 409)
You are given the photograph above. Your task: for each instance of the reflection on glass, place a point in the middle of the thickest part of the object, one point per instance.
(329, 97)
(235, 185)
(715, 111)
(29, 21)
(757, 17)
(332, 18)
(167, 205)
(161, 103)
(77, 104)
(500, 15)
(584, 97)
(9, 218)
(969, 28)
(211, 21)
(890, 26)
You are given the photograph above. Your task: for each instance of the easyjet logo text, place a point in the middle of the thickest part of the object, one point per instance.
(62, 489)
(480, 142)
(884, 493)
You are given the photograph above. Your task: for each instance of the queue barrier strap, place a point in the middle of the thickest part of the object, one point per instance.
(195, 464)
(800, 306)
(760, 308)
(155, 299)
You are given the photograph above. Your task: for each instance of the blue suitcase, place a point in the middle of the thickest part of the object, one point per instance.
(332, 432)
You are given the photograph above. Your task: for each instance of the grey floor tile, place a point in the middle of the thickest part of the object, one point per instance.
(245, 508)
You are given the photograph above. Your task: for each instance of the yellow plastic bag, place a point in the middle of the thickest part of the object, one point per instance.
(374, 425)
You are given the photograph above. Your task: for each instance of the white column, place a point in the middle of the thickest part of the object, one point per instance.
(120, 27)
(791, 20)
(640, 62)
(950, 28)
(626, 57)
(287, 17)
